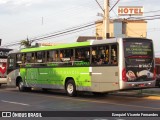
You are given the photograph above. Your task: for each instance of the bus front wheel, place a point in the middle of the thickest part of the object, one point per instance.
(71, 88)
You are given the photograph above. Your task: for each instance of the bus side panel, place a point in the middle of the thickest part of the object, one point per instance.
(105, 79)
(54, 78)
(31, 76)
(11, 77)
(79, 74)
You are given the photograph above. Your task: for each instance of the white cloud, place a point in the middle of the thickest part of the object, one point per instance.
(20, 2)
(22, 18)
(18, 6)
(3, 1)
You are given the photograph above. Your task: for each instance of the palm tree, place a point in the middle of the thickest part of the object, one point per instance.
(26, 43)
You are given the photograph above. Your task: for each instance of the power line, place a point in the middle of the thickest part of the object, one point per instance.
(152, 11)
(68, 31)
(144, 17)
(54, 34)
(99, 6)
(114, 5)
(63, 30)
(72, 32)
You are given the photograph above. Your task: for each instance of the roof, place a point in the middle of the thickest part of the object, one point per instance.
(60, 46)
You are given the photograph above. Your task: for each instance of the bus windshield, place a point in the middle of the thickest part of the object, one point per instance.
(139, 62)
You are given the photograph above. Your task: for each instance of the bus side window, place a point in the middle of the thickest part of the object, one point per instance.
(61, 54)
(49, 56)
(23, 58)
(33, 58)
(55, 56)
(100, 55)
(11, 62)
(39, 57)
(19, 60)
(28, 57)
(114, 54)
(94, 58)
(82, 54)
(44, 56)
(107, 54)
(66, 55)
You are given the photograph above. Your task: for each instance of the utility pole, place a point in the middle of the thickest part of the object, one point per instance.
(106, 19)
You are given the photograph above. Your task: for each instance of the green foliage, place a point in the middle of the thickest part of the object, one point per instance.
(25, 43)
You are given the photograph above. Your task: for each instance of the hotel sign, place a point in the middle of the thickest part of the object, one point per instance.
(130, 10)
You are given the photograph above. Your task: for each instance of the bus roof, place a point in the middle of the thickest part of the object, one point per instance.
(70, 45)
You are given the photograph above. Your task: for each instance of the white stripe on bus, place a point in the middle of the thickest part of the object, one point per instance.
(97, 73)
(92, 73)
(84, 73)
(43, 73)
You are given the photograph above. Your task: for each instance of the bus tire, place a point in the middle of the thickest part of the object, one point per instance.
(21, 86)
(71, 88)
(28, 89)
(99, 94)
(45, 89)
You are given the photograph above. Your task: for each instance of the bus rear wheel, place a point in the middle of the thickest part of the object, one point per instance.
(21, 86)
(71, 88)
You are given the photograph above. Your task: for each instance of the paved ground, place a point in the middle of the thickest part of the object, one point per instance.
(13, 100)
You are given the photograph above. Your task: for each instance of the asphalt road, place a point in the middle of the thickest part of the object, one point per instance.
(13, 100)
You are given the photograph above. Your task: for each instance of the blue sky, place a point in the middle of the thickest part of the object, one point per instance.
(22, 18)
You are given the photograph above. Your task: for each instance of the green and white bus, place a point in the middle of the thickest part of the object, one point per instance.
(97, 66)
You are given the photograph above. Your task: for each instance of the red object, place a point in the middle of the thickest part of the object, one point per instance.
(124, 78)
(154, 74)
(157, 60)
(3, 68)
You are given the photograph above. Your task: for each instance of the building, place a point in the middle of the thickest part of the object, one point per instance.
(123, 28)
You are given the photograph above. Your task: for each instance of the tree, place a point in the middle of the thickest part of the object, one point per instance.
(26, 43)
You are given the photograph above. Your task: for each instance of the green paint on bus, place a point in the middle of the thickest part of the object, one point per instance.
(61, 46)
(56, 76)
